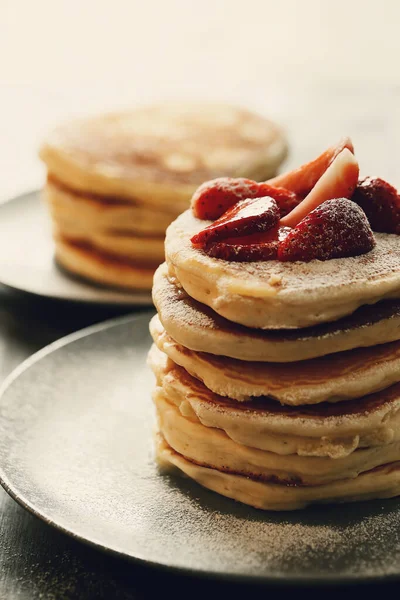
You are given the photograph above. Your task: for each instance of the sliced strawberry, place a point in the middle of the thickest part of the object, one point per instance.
(335, 229)
(257, 238)
(381, 203)
(302, 180)
(251, 248)
(247, 216)
(213, 198)
(285, 199)
(338, 181)
(243, 252)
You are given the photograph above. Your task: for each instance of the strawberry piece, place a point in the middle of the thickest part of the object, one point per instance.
(250, 248)
(302, 180)
(285, 199)
(381, 203)
(335, 229)
(244, 252)
(213, 198)
(256, 238)
(339, 181)
(247, 216)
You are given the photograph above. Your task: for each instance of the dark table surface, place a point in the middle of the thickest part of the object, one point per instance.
(37, 561)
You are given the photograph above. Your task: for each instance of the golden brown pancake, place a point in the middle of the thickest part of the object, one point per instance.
(199, 328)
(282, 295)
(117, 245)
(160, 154)
(83, 260)
(382, 482)
(211, 447)
(334, 378)
(326, 429)
(93, 212)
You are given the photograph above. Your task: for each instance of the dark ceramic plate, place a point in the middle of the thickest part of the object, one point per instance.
(76, 450)
(27, 264)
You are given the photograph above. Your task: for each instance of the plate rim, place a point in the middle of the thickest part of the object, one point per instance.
(280, 580)
(122, 298)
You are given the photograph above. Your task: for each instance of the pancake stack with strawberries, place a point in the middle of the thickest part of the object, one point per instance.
(116, 181)
(277, 341)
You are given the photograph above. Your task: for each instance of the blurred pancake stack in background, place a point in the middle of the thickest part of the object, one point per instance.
(116, 181)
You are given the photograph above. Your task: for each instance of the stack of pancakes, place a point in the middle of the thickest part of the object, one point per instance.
(116, 182)
(278, 384)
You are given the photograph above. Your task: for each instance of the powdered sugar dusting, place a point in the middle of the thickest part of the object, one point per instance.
(362, 540)
(176, 304)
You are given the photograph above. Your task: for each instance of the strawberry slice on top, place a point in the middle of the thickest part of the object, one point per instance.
(325, 213)
(253, 215)
(250, 248)
(381, 203)
(339, 181)
(336, 229)
(213, 198)
(303, 179)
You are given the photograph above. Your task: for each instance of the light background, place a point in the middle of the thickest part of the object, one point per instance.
(61, 58)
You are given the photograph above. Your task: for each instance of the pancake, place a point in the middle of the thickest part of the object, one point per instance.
(162, 153)
(382, 482)
(124, 245)
(211, 447)
(333, 430)
(333, 378)
(85, 261)
(85, 212)
(199, 328)
(282, 295)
